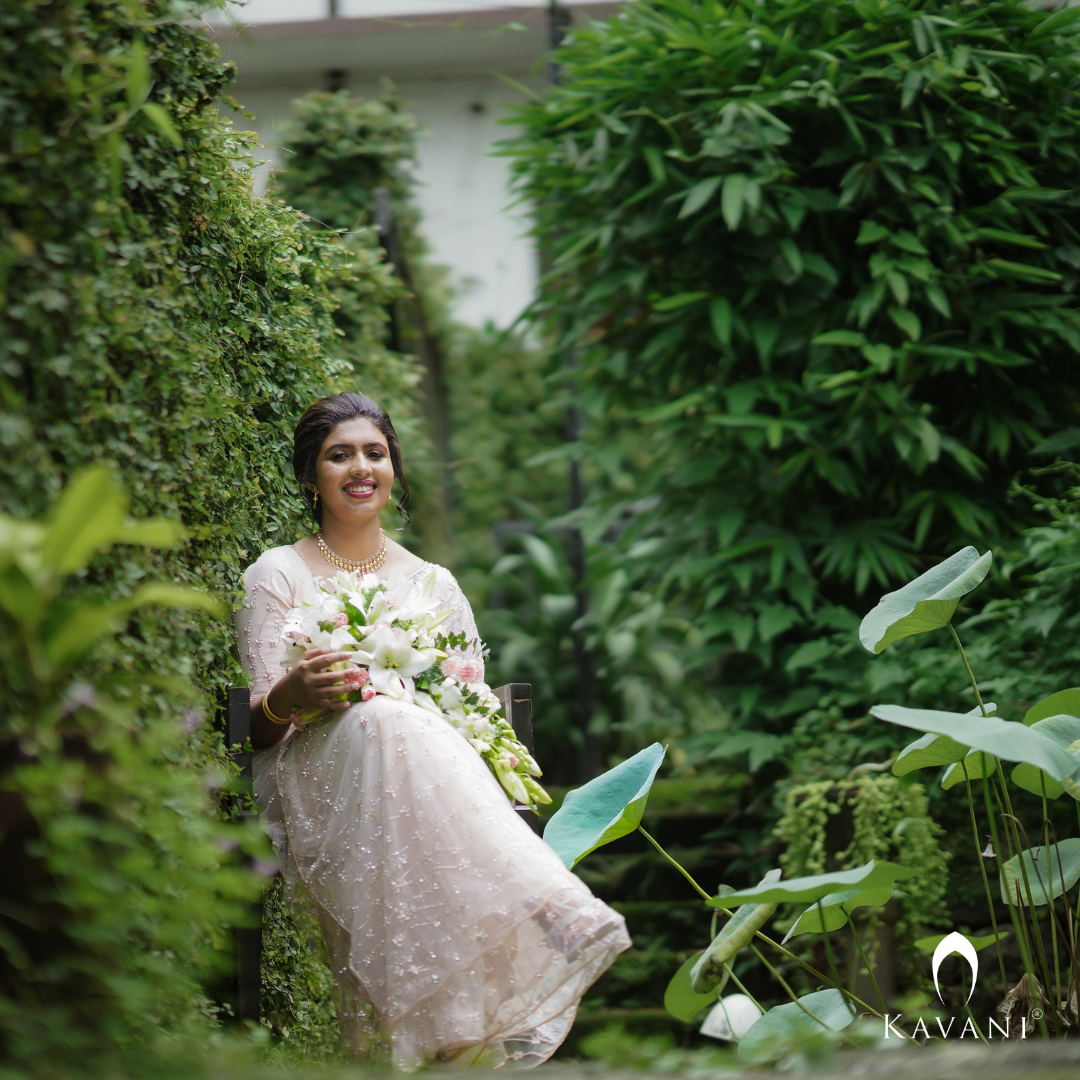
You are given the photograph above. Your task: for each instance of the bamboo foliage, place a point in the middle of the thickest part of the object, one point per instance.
(821, 257)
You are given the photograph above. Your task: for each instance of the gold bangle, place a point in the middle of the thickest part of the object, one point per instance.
(268, 714)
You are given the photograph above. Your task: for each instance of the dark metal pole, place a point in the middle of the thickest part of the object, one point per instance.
(410, 331)
(559, 21)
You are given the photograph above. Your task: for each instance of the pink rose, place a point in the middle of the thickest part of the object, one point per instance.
(367, 693)
(357, 677)
(341, 619)
(469, 671)
(451, 666)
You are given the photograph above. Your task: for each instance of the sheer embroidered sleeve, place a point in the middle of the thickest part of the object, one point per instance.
(271, 588)
(461, 620)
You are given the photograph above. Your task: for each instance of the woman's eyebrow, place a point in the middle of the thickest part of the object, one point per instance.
(352, 446)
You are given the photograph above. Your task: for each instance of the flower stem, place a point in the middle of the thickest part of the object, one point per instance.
(986, 880)
(735, 979)
(700, 891)
(967, 668)
(866, 961)
(794, 997)
(764, 937)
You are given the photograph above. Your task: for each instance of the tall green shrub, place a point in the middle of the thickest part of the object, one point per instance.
(821, 259)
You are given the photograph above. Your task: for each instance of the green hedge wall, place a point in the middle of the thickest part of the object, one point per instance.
(157, 316)
(154, 312)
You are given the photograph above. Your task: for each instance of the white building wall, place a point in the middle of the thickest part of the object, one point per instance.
(442, 55)
(463, 191)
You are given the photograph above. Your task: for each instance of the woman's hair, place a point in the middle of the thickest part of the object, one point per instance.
(319, 419)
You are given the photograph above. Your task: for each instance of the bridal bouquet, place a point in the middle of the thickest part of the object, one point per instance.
(392, 630)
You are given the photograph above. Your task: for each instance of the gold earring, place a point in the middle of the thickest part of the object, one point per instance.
(315, 500)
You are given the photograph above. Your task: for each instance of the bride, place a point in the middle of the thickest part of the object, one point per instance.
(454, 932)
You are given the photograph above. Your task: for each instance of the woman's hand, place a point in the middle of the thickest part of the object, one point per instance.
(310, 685)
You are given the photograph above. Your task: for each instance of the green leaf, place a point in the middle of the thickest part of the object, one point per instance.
(1063, 730)
(605, 808)
(680, 998)
(1056, 22)
(19, 596)
(80, 629)
(815, 887)
(679, 300)
(82, 626)
(137, 84)
(699, 195)
(711, 970)
(928, 752)
(158, 532)
(655, 161)
(975, 765)
(908, 321)
(792, 255)
(162, 594)
(163, 122)
(720, 315)
(925, 604)
(899, 286)
(1043, 876)
(837, 906)
(929, 944)
(785, 1028)
(870, 232)
(1065, 702)
(881, 356)
(1016, 239)
(840, 337)
(732, 198)
(88, 518)
(908, 241)
(1002, 738)
(932, 751)
(936, 295)
(1023, 271)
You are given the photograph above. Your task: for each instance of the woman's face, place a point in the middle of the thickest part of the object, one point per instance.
(353, 474)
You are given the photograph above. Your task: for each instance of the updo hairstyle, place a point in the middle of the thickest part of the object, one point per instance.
(319, 419)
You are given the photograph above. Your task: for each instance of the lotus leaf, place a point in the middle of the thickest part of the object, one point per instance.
(680, 998)
(1064, 862)
(817, 886)
(1009, 741)
(788, 1026)
(1065, 731)
(933, 750)
(605, 808)
(925, 604)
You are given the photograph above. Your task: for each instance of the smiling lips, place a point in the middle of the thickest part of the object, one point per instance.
(362, 490)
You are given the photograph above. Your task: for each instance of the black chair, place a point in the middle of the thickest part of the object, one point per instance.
(517, 707)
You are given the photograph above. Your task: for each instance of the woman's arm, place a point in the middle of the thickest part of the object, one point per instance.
(269, 597)
(307, 685)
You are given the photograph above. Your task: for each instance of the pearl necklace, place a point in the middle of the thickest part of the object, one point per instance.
(352, 566)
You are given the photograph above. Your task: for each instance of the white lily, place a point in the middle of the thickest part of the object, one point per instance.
(392, 661)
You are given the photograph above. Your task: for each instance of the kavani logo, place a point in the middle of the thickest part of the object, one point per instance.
(956, 943)
(949, 945)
